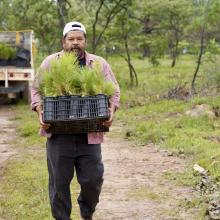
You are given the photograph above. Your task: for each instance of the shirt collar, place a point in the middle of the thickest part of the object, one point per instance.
(89, 59)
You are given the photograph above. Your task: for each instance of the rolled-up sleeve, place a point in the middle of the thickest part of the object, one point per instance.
(36, 99)
(109, 75)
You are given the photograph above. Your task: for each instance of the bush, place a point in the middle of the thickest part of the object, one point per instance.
(7, 52)
(211, 69)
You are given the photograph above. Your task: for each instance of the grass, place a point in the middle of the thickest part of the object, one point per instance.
(166, 124)
(24, 189)
(146, 117)
(24, 184)
(186, 178)
(178, 213)
(146, 192)
(27, 125)
(149, 117)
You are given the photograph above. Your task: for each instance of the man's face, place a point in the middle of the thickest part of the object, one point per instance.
(75, 41)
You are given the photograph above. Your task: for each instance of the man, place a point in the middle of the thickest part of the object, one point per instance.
(75, 152)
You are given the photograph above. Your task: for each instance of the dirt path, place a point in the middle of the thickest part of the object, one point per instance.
(136, 187)
(7, 133)
(137, 184)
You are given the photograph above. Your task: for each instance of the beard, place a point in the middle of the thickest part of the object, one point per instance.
(77, 51)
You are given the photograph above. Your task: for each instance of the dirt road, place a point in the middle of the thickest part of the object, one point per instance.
(7, 133)
(136, 185)
(140, 182)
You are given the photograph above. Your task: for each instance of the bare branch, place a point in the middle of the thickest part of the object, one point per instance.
(113, 12)
(96, 20)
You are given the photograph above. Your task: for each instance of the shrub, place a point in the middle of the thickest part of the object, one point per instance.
(211, 69)
(7, 52)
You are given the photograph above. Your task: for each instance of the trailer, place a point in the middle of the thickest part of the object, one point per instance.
(17, 74)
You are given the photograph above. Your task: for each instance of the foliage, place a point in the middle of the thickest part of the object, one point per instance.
(7, 52)
(157, 17)
(21, 15)
(66, 77)
(157, 47)
(155, 27)
(211, 64)
(144, 114)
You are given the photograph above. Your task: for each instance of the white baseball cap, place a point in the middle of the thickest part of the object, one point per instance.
(73, 26)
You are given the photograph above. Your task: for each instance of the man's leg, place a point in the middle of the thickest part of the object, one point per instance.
(60, 160)
(89, 169)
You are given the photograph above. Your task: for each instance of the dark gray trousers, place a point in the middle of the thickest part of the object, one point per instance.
(66, 153)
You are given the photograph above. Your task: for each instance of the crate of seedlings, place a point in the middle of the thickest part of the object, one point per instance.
(76, 100)
(76, 114)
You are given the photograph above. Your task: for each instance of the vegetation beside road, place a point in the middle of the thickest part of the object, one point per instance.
(147, 116)
(24, 185)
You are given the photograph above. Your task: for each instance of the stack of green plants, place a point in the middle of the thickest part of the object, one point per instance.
(7, 52)
(66, 77)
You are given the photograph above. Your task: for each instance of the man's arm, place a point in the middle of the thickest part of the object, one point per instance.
(36, 99)
(115, 98)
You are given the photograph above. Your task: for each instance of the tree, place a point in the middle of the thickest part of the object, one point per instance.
(202, 26)
(103, 11)
(146, 14)
(122, 33)
(4, 14)
(176, 15)
(62, 12)
(22, 15)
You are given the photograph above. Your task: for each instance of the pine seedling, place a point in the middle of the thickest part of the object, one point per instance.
(65, 77)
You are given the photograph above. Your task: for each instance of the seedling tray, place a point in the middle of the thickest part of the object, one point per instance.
(76, 114)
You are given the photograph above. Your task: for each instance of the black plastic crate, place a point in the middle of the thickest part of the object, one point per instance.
(76, 114)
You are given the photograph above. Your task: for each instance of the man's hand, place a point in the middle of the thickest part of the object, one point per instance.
(39, 111)
(111, 110)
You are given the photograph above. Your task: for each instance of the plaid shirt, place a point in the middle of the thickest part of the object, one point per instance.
(93, 137)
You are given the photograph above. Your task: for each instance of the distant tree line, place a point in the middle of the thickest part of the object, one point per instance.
(148, 28)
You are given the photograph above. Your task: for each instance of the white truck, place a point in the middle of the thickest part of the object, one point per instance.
(16, 75)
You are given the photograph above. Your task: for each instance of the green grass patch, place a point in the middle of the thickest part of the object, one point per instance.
(24, 185)
(27, 125)
(147, 116)
(186, 178)
(197, 206)
(146, 192)
(174, 130)
(24, 189)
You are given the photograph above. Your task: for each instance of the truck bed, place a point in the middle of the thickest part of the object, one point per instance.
(16, 74)
(14, 89)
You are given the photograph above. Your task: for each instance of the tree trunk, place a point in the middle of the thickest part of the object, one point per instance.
(173, 62)
(62, 12)
(116, 9)
(174, 56)
(175, 49)
(202, 39)
(199, 59)
(94, 37)
(146, 52)
(130, 66)
(129, 60)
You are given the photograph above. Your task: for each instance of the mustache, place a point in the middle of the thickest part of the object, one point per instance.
(75, 48)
